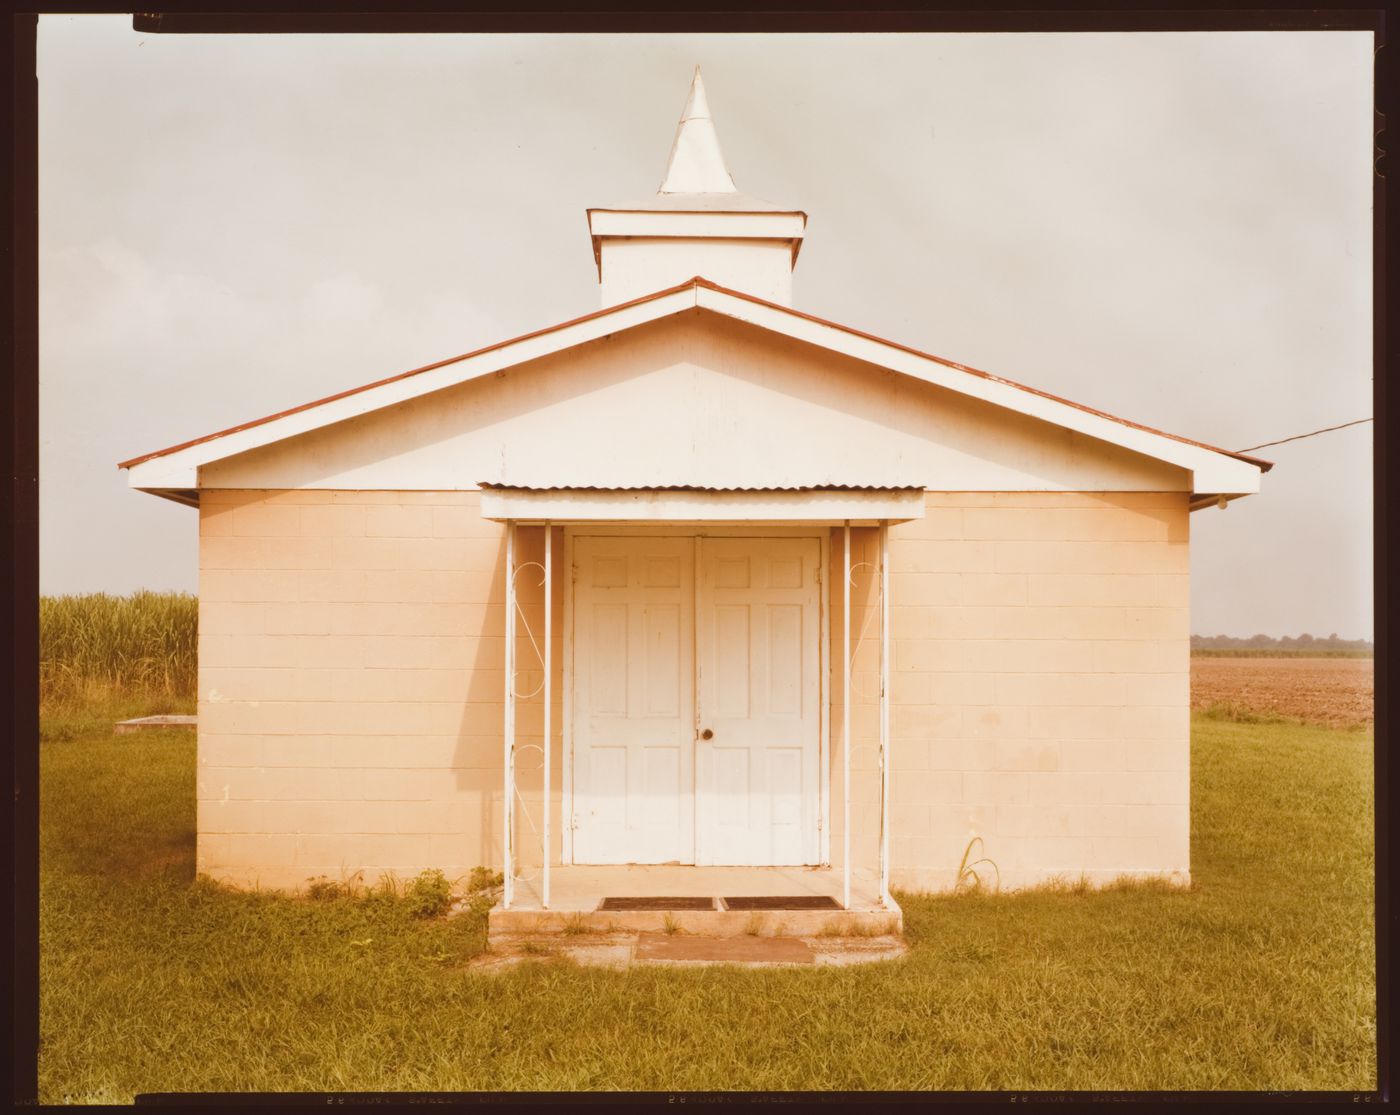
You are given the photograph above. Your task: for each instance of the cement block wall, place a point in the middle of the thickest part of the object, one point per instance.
(352, 686)
(1040, 687)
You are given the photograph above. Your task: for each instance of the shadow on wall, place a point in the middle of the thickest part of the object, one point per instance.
(479, 755)
(478, 760)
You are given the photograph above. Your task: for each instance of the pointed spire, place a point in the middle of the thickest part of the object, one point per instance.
(696, 165)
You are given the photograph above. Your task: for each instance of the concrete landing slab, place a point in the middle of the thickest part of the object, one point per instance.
(125, 727)
(677, 948)
(845, 951)
(577, 892)
(694, 923)
(576, 887)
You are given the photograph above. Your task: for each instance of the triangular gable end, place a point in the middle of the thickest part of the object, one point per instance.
(696, 400)
(176, 474)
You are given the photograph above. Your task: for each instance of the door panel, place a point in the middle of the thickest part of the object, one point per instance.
(646, 789)
(758, 777)
(634, 679)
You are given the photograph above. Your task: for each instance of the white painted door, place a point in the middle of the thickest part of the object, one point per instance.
(634, 700)
(757, 775)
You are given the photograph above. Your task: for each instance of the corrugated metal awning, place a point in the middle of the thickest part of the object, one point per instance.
(489, 485)
(829, 504)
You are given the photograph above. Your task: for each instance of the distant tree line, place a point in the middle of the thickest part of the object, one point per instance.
(1304, 643)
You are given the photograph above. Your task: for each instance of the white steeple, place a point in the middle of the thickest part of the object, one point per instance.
(696, 165)
(697, 223)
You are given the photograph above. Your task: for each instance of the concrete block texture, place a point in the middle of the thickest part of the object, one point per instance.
(352, 678)
(1041, 652)
(351, 684)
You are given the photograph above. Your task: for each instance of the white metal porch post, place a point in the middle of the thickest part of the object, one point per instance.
(885, 712)
(507, 810)
(846, 715)
(548, 672)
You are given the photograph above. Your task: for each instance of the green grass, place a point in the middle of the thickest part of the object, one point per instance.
(73, 717)
(1242, 714)
(1260, 977)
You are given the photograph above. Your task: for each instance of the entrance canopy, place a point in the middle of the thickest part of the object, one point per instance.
(835, 505)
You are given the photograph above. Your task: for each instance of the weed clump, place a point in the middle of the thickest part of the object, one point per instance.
(483, 878)
(1241, 714)
(324, 889)
(429, 895)
(969, 881)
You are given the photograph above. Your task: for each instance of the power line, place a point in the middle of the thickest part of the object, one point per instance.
(1299, 437)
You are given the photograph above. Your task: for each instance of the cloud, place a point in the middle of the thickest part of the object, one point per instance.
(102, 301)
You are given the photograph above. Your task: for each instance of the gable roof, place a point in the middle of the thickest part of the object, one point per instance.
(173, 472)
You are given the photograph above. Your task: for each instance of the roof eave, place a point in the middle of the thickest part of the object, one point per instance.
(1214, 469)
(188, 497)
(500, 346)
(1199, 501)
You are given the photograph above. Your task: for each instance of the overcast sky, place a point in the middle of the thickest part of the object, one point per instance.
(1174, 228)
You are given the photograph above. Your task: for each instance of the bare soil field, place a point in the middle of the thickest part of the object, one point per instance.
(1337, 692)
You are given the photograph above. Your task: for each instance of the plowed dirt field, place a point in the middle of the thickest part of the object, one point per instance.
(1338, 692)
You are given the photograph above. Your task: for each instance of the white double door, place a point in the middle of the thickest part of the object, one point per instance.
(697, 695)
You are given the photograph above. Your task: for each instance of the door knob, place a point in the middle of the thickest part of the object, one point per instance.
(707, 734)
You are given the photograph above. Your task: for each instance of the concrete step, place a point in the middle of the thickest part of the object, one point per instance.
(683, 950)
(858, 923)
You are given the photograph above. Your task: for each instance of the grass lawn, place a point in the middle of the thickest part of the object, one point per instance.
(1261, 977)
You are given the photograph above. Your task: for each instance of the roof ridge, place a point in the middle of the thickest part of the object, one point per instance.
(405, 375)
(697, 282)
(1263, 464)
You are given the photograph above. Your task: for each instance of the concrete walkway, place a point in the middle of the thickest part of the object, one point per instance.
(683, 950)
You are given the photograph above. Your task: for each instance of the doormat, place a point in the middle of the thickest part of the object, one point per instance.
(654, 903)
(783, 902)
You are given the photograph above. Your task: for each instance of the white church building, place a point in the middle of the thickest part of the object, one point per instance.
(695, 594)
